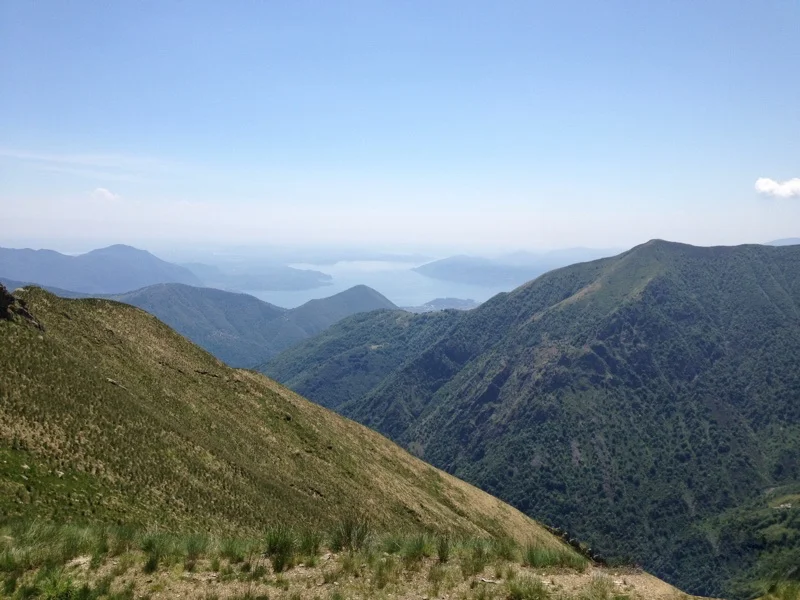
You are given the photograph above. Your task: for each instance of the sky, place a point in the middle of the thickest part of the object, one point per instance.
(399, 124)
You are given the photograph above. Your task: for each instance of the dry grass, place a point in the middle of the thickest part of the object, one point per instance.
(43, 560)
(143, 425)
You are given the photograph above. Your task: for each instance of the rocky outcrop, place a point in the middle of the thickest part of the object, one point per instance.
(10, 305)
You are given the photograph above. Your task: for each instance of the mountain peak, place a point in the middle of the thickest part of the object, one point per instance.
(118, 250)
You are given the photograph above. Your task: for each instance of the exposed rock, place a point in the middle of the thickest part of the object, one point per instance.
(6, 302)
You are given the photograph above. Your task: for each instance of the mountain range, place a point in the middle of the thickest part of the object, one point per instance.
(122, 439)
(242, 330)
(640, 401)
(237, 328)
(110, 270)
(506, 270)
(118, 269)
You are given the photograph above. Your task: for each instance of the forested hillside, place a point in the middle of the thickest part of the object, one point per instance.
(628, 399)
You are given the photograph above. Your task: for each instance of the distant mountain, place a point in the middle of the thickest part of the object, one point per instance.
(110, 270)
(12, 285)
(314, 316)
(785, 242)
(240, 329)
(510, 270)
(632, 400)
(258, 277)
(443, 304)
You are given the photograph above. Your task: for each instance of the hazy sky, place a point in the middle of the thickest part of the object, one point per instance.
(518, 124)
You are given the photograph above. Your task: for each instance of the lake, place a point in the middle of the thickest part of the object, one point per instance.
(395, 280)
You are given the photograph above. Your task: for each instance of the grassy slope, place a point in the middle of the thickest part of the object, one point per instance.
(108, 414)
(626, 399)
(38, 560)
(238, 328)
(229, 325)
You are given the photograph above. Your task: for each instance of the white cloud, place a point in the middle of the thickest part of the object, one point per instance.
(105, 195)
(782, 189)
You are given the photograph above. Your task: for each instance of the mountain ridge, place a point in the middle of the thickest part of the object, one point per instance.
(238, 328)
(241, 329)
(543, 395)
(114, 269)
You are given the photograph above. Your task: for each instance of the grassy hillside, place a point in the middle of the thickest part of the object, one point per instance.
(116, 563)
(110, 270)
(106, 412)
(229, 325)
(242, 330)
(135, 465)
(627, 400)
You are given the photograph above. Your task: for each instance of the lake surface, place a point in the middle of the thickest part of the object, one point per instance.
(395, 280)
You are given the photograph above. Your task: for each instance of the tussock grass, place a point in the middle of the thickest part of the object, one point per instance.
(475, 555)
(37, 560)
(351, 533)
(443, 548)
(386, 571)
(310, 542)
(526, 589)
(538, 556)
(281, 545)
(415, 550)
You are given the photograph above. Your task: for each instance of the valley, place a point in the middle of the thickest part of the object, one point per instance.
(628, 400)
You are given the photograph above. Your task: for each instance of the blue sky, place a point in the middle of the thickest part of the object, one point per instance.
(460, 124)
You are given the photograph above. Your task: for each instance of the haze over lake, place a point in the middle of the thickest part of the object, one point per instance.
(395, 280)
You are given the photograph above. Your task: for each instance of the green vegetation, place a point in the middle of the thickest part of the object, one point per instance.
(107, 415)
(350, 359)
(633, 401)
(542, 557)
(43, 560)
(242, 330)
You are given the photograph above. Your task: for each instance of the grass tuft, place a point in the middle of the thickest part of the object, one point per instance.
(351, 533)
(526, 589)
(443, 548)
(280, 547)
(540, 557)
